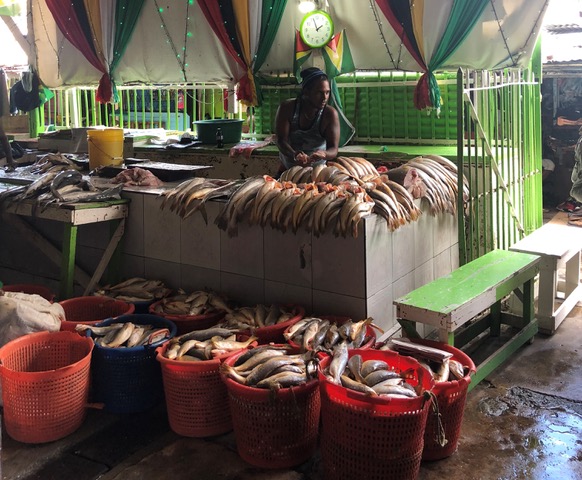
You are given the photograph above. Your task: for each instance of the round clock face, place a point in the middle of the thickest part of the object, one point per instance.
(316, 29)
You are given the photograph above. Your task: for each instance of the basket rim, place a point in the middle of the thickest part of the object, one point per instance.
(378, 400)
(32, 337)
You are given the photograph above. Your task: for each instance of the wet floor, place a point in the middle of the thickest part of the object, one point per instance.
(523, 422)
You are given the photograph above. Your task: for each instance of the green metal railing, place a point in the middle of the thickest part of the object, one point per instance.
(500, 148)
(172, 107)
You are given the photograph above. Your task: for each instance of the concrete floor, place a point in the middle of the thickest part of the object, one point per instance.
(523, 422)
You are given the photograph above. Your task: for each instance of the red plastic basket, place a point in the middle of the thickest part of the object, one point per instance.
(45, 385)
(91, 310)
(274, 333)
(274, 430)
(196, 396)
(188, 323)
(373, 437)
(451, 399)
(31, 289)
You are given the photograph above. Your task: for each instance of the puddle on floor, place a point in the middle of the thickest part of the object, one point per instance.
(516, 434)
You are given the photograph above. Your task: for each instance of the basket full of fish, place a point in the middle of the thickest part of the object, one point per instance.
(126, 377)
(196, 396)
(141, 292)
(192, 311)
(275, 405)
(267, 323)
(323, 334)
(374, 405)
(451, 370)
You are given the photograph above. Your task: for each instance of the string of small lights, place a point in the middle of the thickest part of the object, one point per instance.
(492, 2)
(379, 23)
(180, 58)
(57, 52)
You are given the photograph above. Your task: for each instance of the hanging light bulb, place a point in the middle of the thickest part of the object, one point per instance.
(306, 6)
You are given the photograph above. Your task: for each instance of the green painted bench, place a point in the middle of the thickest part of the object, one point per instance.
(467, 302)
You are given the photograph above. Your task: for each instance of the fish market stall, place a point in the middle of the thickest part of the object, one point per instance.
(280, 259)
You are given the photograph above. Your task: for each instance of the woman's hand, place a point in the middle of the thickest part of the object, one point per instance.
(302, 158)
(317, 156)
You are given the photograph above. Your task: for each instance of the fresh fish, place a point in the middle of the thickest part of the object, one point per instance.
(398, 391)
(355, 366)
(357, 386)
(259, 358)
(456, 369)
(265, 369)
(282, 380)
(219, 342)
(66, 177)
(338, 362)
(205, 334)
(378, 376)
(122, 335)
(309, 335)
(81, 327)
(370, 366)
(442, 374)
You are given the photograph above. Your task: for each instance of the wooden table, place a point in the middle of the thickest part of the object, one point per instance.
(455, 300)
(558, 245)
(72, 216)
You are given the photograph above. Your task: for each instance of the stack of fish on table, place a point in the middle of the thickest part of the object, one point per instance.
(333, 197)
(60, 182)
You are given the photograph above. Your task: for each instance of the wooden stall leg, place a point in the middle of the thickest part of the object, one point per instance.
(68, 261)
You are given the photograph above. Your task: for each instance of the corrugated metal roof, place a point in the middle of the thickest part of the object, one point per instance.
(562, 44)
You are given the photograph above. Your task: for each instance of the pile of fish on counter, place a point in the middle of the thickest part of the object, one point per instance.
(57, 179)
(333, 197)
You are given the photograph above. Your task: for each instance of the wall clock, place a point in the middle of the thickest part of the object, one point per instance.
(316, 28)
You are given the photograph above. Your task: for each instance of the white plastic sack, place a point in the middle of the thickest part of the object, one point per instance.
(22, 313)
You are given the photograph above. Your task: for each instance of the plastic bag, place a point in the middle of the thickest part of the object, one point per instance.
(22, 313)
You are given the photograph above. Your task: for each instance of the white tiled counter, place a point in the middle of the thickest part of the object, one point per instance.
(357, 277)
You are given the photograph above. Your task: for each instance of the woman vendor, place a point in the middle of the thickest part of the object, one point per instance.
(307, 127)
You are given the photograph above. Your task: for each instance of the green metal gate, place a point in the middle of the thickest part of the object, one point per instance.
(500, 147)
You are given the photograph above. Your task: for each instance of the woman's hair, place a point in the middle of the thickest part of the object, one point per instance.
(309, 75)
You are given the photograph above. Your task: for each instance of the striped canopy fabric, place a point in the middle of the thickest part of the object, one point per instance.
(243, 41)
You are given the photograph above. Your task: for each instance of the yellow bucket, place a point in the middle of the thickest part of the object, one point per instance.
(105, 147)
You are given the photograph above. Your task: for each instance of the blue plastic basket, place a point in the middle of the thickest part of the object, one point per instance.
(129, 380)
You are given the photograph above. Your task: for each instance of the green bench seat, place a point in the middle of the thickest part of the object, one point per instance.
(452, 302)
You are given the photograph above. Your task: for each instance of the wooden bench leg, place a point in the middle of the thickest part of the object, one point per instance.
(495, 317)
(68, 261)
(409, 328)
